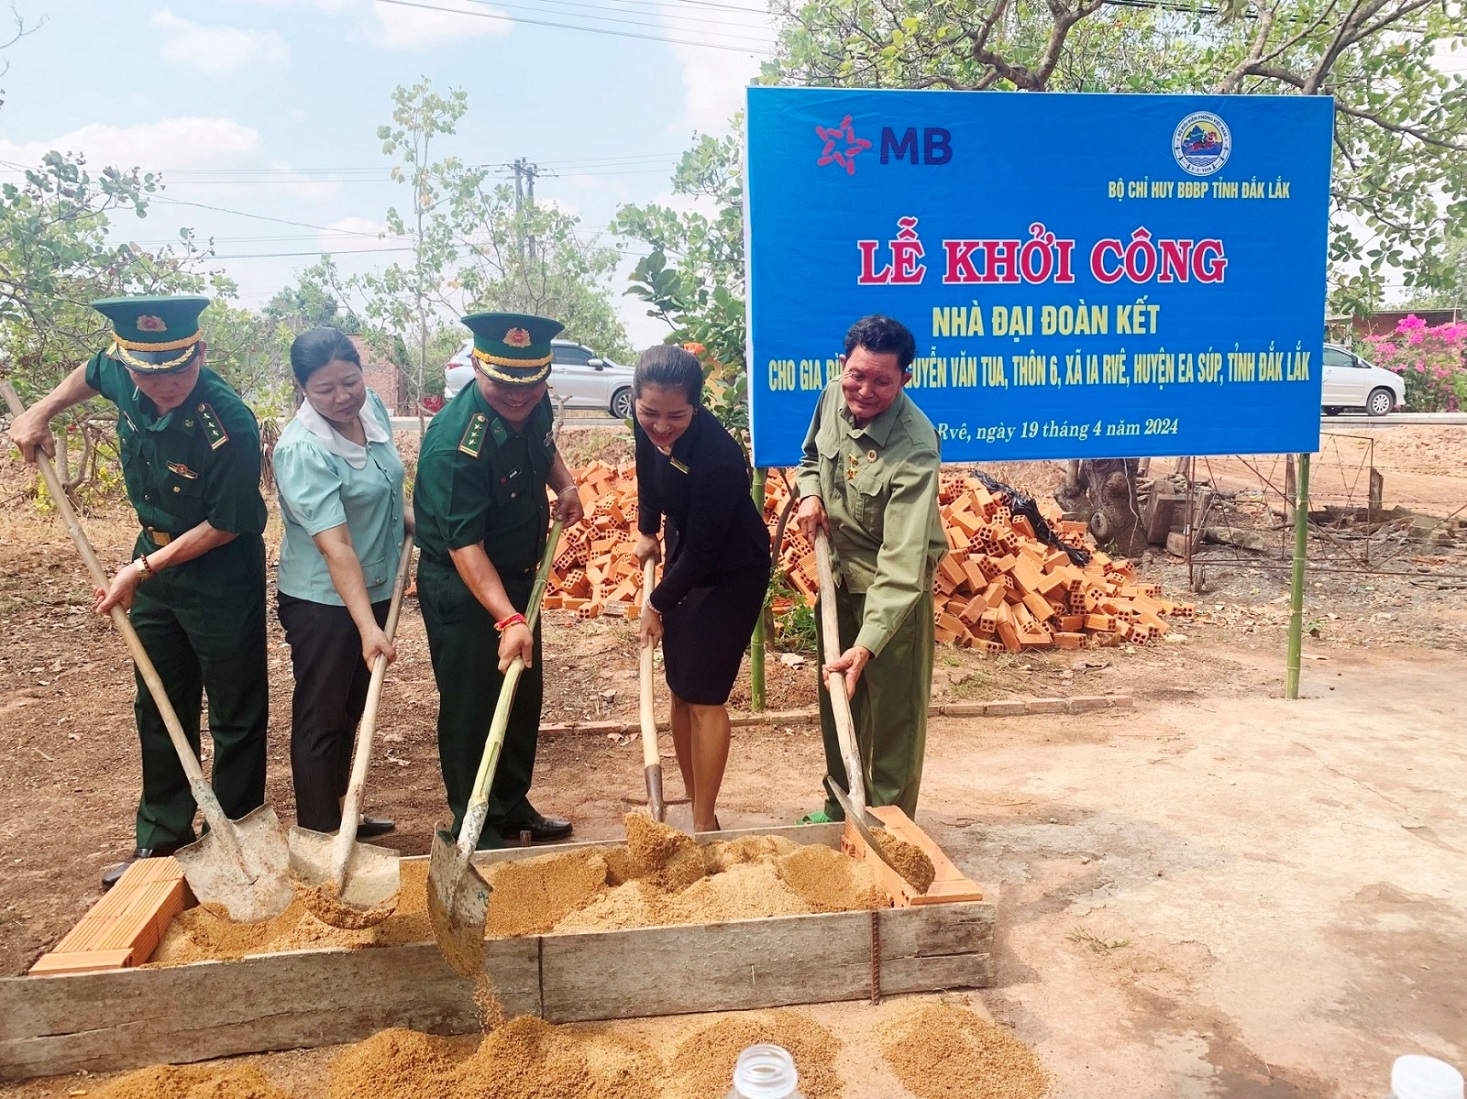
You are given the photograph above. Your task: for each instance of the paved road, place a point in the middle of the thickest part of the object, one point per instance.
(1393, 419)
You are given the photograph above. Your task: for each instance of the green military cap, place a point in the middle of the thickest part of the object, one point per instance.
(513, 347)
(153, 335)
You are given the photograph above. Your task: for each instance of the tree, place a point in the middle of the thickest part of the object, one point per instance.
(55, 257)
(521, 256)
(403, 302)
(474, 248)
(1400, 173)
(693, 279)
(1452, 293)
(311, 302)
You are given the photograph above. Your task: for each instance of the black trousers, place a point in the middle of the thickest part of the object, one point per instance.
(331, 680)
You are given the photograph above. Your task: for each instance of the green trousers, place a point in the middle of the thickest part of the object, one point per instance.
(203, 626)
(889, 708)
(464, 647)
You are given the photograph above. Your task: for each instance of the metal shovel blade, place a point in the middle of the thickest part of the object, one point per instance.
(458, 905)
(365, 895)
(245, 873)
(864, 823)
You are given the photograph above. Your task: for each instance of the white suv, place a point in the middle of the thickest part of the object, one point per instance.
(578, 376)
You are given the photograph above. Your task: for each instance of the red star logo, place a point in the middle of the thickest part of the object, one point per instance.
(844, 134)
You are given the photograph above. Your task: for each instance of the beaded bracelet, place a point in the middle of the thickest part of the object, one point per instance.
(143, 567)
(514, 619)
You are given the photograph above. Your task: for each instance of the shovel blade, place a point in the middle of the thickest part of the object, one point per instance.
(372, 879)
(458, 905)
(245, 874)
(656, 804)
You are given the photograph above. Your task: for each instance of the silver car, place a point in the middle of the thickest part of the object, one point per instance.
(579, 376)
(1353, 382)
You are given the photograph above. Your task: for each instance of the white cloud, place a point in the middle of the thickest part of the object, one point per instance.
(714, 80)
(217, 51)
(394, 27)
(170, 143)
(192, 153)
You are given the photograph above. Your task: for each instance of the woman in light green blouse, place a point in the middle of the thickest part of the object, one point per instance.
(341, 496)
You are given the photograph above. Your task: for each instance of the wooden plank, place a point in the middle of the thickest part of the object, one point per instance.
(102, 1022)
(763, 963)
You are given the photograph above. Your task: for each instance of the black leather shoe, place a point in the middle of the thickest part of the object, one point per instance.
(541, 829)
(110, 878)
(375, 826)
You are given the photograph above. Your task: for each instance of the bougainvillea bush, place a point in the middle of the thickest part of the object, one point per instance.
(1432, 360)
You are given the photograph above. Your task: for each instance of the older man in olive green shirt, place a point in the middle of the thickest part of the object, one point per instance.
(869, 477)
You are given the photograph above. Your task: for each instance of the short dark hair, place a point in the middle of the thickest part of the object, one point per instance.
(881, 334)
(670, 367)
(316, 347)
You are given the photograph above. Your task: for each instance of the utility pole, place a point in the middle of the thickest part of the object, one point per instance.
(524, 191)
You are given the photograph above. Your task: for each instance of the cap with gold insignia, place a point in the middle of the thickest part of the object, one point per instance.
(513, 348)
(153, 335)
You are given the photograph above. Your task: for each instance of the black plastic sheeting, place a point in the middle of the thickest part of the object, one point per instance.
(1020, 504)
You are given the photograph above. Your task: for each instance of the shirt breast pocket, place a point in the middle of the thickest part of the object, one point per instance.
(831, 477)
(869, 501)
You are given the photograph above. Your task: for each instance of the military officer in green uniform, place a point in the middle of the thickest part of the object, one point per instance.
(195, 589)
(482, 522)
(869, 478)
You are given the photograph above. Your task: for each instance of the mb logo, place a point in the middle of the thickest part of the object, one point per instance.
(935, 146)
(930, 145)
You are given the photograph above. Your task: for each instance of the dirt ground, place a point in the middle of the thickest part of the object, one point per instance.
(1215, 893)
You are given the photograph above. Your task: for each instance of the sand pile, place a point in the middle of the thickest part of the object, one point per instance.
(192, 1082)
(936, 1051)
(945, 1051)
(703, 1063)
(661, 876)
(196, 934)
(909, 860)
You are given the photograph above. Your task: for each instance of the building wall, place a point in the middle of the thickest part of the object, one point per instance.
(383, 377)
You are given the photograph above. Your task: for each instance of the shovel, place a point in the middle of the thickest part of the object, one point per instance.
(239, 867)
(835, 683)
(458, 895)
(355, 884)
(651, 761)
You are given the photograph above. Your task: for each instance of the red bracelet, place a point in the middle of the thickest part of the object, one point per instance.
(514, 619)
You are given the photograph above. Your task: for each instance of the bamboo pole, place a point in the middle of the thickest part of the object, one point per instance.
(1296, 590)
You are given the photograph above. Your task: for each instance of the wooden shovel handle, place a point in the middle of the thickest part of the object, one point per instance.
(650, 758)
(835, 683)
(500, 722)
(351, 807)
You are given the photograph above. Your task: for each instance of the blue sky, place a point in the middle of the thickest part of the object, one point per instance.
(270, 108)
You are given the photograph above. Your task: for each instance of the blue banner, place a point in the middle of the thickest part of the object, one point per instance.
(1086, 276)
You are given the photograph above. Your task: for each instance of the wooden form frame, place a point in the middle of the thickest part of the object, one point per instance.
(107, 1021)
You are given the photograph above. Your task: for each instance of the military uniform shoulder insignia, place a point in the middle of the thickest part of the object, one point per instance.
(473, 439)
(213, 429)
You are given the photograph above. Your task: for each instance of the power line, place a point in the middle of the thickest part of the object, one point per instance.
(759, 48)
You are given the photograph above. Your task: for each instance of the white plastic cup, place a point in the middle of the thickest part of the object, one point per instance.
(1416, 1076)
(765, 1071)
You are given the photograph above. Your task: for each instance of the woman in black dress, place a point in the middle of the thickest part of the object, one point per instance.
(691, 471)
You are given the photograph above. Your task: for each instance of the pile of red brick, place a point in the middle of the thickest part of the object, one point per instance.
(1000, 588)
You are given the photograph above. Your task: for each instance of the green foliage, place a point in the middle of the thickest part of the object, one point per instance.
(794, 630)
(475, 246)
(693, 280)
(1400, 173)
